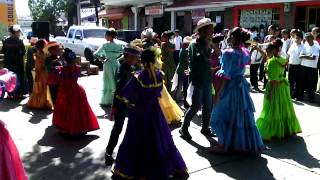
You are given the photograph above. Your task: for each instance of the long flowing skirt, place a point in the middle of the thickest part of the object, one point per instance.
(72, 112)
(39, 98)
(278, 118)
(233, 119)
(11, 167)
(169, 107)
(110, 68)
(148, 150)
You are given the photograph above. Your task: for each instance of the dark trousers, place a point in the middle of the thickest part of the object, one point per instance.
(294, 79)
(119, 117)
(254, 75)
(183, 82)
(202, 96)
(309, 80)
(29, 80)
(261, 71)
(176, 57)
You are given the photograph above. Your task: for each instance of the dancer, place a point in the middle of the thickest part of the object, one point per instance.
(39, 98)
(169, 107)
(8, 81)
(201, 78)
(147, 150)
(278, 118)
(128, 66)
(72, 113)
(167, 51)
(14, 51)
(182, 70)
(54, 50)
(215, 60)
(232, 117)
(111, 51)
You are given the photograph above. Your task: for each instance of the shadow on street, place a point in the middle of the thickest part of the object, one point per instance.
(63, 160)
(293, 148)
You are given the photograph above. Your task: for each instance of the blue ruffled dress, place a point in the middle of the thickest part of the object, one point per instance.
(232, 117)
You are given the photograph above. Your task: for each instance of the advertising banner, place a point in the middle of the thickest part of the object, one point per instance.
(7, 16)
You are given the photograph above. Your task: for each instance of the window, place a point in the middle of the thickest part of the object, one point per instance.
(94, 33)
(78, 34)
(71, 32)
(257, 17)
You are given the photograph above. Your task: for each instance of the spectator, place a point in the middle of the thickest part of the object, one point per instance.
(178, 43)
(309, 75)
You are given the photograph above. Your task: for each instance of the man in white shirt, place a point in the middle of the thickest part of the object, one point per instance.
(309, 62)
(295, 64)
(178, 43)
(286, 42)
(257, 56)
(224, 44)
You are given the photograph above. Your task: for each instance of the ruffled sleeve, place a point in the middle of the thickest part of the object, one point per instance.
(226, 66)
(273, 69)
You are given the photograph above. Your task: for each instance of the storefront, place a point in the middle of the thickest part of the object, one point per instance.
(307, 15)
(259, 15)
(117, 18)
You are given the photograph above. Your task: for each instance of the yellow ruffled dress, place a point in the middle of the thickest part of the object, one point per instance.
(169, 107)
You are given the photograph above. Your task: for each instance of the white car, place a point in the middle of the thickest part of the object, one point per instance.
(84, 40)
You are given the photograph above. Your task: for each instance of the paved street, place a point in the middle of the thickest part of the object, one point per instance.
(48, 156)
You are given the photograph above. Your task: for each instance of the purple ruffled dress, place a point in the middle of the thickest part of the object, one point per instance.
(147, 150)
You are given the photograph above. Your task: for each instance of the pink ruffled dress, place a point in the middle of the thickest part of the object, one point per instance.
(8, 81)
(11, 167)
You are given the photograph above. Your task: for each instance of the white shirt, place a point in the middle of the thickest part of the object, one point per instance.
(294, 53)
(256, 57)
(177, 42)
(224, 44)
(285, 47)
(310, 51)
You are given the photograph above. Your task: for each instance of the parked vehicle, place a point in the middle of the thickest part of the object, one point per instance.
(84, 40)
(128, 35)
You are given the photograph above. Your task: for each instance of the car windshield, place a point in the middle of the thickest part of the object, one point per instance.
(94, 33)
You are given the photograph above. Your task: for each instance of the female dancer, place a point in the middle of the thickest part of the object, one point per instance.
(111, 51)
(72, 113)
(278, 118)
(39, 98)
(147, 150)
(232, 117)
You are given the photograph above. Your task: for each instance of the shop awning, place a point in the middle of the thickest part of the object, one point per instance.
(113, 14)
(205, 4)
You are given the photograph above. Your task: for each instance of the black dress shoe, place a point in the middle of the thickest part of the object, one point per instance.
(207, 132)
(108, 160)
(184, 134)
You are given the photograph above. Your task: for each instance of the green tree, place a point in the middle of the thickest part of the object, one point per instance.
(50, 11)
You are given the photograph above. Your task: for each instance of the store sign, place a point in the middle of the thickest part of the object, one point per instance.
(256, 17)
(154, 10)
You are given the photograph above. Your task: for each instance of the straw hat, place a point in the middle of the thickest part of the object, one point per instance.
(187, 39)
(204, 22)
(50, 45)
(148, 32)
(132, 50)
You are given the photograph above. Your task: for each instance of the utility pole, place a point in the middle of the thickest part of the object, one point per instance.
(96, 4)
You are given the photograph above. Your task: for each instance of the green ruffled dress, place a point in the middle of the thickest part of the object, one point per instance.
(112, 52)
(278, 118)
